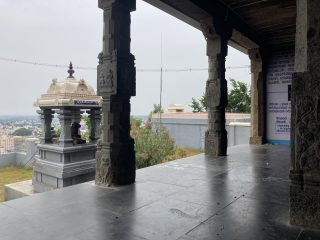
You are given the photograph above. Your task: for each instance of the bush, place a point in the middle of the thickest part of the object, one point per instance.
(153, 147)
(179, 152)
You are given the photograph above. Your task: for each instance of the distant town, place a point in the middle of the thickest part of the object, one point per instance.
(16, 130)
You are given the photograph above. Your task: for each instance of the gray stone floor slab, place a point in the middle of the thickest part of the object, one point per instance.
(242, 196)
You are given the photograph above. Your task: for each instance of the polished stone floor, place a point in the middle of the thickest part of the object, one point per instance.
(242, 196)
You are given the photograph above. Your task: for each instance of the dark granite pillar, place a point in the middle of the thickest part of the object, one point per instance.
(216, 93)
(257, 98)
(95, 121)
(76, 115)
(46, 116)
(305, 120)
(65, 117)
(116, 85)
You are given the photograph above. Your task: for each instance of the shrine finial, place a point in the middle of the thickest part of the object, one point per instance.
(70, 71)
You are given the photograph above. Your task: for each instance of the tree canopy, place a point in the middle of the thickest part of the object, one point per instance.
(199, 105)
(239, 99)
(22, 132)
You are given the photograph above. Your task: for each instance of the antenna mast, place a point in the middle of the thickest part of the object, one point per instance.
(161, 70)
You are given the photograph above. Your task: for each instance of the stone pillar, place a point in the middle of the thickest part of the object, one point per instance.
(216, 94)
(95, 121)
(76, 115)
(305, 119)
(116, 85)
(46, 116)
(65, 117)
(257, 97)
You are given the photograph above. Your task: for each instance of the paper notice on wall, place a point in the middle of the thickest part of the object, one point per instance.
(279, 76)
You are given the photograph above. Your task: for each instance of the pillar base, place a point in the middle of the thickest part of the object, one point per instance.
(305, 205)
(116, 165)
(258, 140)
(216, 143)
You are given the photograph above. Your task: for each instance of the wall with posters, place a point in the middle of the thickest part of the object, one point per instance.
(278, 89)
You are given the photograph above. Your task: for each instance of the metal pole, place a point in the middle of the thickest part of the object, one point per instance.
(161, 70)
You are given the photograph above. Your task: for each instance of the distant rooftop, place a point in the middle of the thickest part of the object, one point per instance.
(200, 115)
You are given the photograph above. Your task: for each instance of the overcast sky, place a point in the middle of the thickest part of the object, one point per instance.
(63, 30)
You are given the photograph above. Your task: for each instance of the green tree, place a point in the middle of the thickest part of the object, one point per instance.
(239, 99)
(156, 109)
(22, 132)
(196, 105)
(199, 105)
(203, 101)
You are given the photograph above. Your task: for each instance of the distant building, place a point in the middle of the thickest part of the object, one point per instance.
(188, 129)
(6, 144)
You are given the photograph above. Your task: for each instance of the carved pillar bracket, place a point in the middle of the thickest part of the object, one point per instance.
(65, 117)
(257, 98)
(305, 118)
(116, 84)
(95, 121)
(216, 92)
(46, 116)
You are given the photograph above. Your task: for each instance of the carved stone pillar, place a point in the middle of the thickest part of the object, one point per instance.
(116, 85)
(257, 98)
(305, 119)
(65, 117)
(216, 94)
(95, 121)
(46, 116)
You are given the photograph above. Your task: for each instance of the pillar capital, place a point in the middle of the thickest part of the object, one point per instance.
(209, 32)
(217, 43)
(254, 54)
(214, 27)
(256, 59)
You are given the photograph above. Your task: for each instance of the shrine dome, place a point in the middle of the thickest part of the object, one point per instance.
(69, 92)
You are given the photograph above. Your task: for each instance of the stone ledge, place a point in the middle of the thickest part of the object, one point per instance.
(18, 190)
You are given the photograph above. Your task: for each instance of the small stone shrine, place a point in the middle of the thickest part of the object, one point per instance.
(69, 160)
